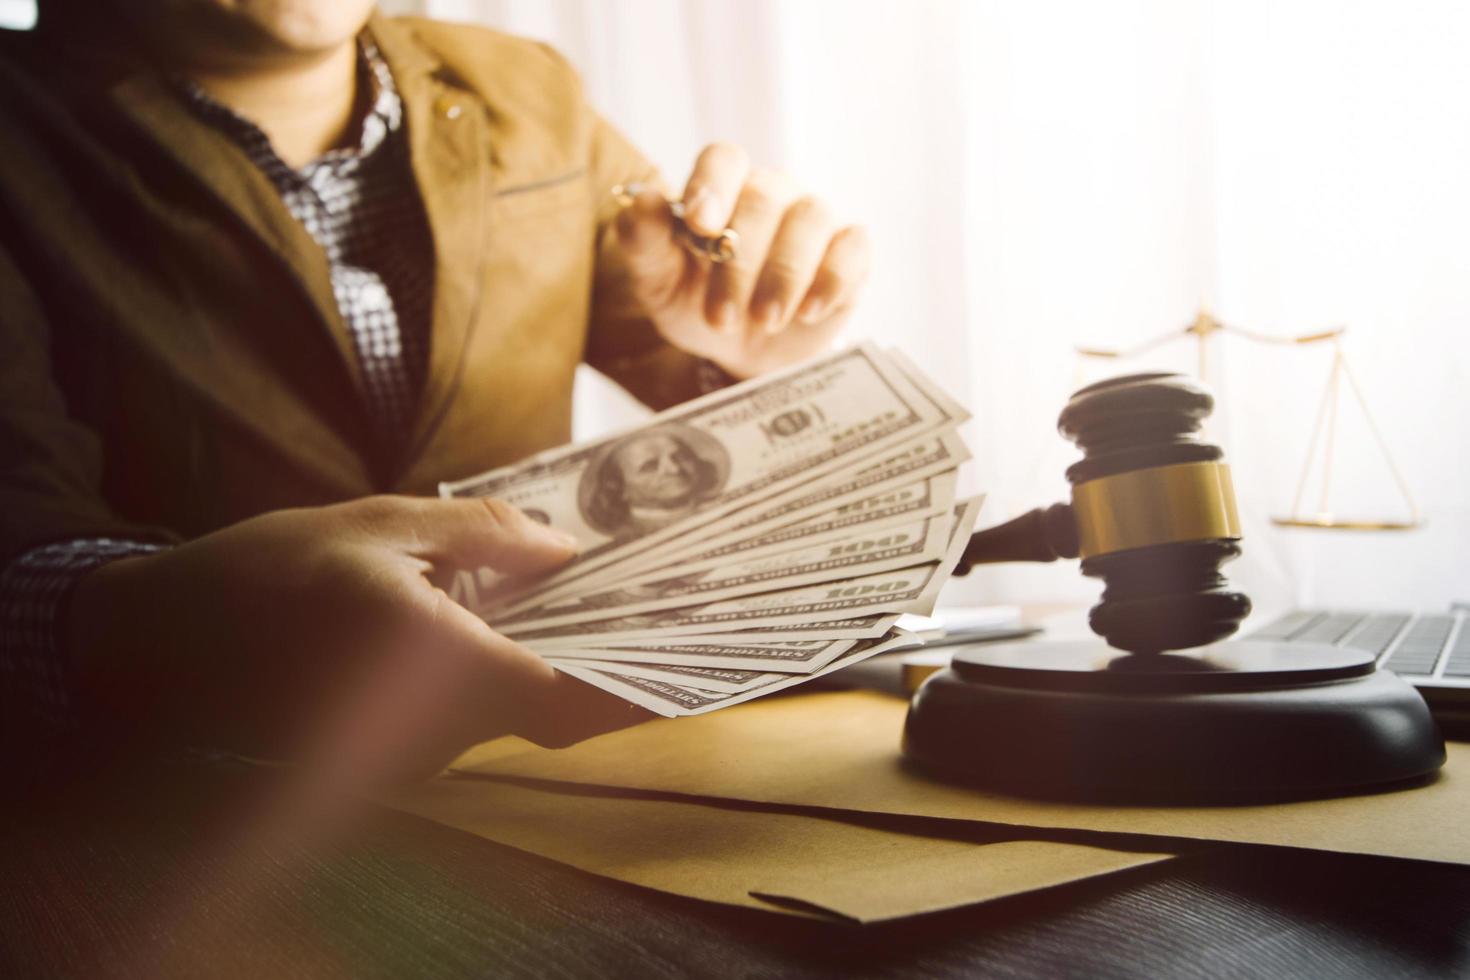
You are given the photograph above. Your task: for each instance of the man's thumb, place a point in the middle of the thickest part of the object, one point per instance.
(480, 531)
(651, 252)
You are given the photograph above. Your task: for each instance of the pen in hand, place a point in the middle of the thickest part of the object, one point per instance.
(718, 249)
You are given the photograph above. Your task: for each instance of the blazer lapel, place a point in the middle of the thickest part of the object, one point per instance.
(215, 161)
(450, 151)
(246, 387)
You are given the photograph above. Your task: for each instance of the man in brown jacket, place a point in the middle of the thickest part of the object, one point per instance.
(269, 271)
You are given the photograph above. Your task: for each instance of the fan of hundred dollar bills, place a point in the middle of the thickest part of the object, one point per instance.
(742, 543)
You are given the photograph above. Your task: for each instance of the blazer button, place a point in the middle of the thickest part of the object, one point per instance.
(448, 107)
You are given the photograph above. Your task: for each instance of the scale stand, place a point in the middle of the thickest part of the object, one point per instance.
(1324, 432)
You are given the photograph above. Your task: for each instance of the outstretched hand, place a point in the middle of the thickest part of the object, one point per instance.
(317, 634)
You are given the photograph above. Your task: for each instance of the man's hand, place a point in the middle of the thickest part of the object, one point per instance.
(317, 634)
(781, 300)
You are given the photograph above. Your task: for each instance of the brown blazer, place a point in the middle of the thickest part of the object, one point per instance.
(171, 356)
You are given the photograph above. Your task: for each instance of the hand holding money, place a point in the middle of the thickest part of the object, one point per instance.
(734, 546)
(742, 543)
(316, 634)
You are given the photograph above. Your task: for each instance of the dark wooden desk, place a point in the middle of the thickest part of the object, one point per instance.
(178, 872)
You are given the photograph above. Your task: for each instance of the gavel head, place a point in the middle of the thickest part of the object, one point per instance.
(1155, 513)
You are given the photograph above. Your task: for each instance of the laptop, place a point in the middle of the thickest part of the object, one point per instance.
(1429, 650)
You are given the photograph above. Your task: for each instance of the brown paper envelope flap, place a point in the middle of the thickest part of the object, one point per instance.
(945, 828)
(886, 882)
(840, 750)
(734, 855)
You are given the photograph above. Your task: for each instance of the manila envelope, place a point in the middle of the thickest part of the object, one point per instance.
(841, 751)
(776, 861)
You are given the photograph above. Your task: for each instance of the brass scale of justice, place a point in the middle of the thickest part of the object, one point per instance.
(1169, 710)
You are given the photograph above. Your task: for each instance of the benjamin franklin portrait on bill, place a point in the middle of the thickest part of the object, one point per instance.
(650, 479)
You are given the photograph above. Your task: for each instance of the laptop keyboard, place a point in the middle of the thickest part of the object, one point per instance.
(1429, 645)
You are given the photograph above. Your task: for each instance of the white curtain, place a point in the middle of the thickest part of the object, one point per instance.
(1042, 175)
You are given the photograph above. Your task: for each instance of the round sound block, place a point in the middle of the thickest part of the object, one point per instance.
(1233, 722)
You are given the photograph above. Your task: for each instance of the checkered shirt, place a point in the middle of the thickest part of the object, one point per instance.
(361, 205)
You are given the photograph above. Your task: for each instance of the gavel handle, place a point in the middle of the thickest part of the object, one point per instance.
(1043, 534)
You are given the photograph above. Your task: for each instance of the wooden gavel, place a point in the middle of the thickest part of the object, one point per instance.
(1152, 514)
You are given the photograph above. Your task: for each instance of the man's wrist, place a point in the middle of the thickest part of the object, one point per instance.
(113, 640)
(36, 588)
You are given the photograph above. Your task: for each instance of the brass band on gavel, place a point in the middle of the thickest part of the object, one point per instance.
(1152, 515)
(1159, 505)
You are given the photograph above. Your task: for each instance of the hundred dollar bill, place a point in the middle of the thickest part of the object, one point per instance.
(924, 499)
(788, 658)
(709, 679)
(901, 505)
(898, 505)
(936, 452)
(781, 636)
(663, 698)
(905, 364)
(850, 628)
(904, 590)
(856, 554)
(711, 456)
(673, 700)
(550, 642)
(939, 452)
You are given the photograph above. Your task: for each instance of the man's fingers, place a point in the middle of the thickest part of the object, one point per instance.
(468, 532)
(757, 217)
(827, 303)
(791, 264)
(843, 270)
(714, 186)
(656, 260)
(500, 681)
(485, 684)
(573, 710)
(431, 680)
(509, 689)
